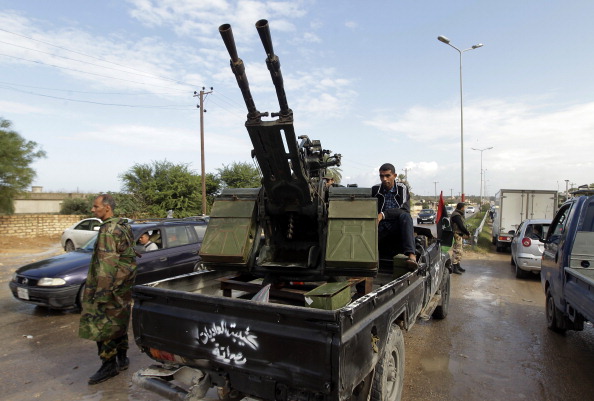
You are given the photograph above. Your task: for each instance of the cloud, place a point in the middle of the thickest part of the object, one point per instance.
(20, 108)
(535, 144)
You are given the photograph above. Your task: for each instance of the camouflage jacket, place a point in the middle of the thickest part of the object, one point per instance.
(107, 295)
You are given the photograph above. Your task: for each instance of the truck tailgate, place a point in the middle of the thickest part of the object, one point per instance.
(264, 348)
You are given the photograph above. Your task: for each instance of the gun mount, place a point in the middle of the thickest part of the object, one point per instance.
(284, 229)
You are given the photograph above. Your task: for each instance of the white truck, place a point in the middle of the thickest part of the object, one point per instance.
(512, 206)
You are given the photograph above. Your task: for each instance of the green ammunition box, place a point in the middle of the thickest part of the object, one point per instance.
(329, 296)
(399, 266)
(352, 234)
(230, 233)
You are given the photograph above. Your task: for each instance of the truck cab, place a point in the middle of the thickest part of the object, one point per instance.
(567, 273)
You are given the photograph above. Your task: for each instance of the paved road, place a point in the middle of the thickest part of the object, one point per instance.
(493, 346)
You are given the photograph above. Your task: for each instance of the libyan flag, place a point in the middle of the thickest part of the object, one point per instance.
(444, 229)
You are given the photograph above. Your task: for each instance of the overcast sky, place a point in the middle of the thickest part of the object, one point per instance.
(101, 86)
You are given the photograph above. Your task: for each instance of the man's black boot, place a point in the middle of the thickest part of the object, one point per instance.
(460, 268)
(455, 269)
(107, 370)
(122, 359)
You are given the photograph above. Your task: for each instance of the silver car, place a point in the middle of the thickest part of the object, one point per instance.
(526, 248)
(80, 233)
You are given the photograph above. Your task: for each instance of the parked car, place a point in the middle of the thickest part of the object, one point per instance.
(450, 210)
(426, 216)
(58, 282)
(526, 248)
(470, 209)
(80, 233)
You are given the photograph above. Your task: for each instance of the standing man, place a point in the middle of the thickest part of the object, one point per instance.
(393, 218)
(107, 294)
(458, 221)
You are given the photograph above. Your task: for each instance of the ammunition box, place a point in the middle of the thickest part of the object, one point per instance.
(329, 296)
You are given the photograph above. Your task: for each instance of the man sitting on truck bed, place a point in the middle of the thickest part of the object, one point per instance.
(395, 224)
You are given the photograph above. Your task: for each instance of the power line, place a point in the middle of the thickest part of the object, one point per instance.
(93, 57)
(89, 92)
(169, 107)
(80, 71)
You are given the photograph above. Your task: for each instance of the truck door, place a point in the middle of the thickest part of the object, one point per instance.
(552, 256)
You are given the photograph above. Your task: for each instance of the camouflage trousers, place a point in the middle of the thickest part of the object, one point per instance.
(108, 349)
(457, 251)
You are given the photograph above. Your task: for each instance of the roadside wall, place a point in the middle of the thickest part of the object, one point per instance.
(36, 225)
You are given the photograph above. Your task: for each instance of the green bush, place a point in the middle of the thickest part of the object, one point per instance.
(80, 206)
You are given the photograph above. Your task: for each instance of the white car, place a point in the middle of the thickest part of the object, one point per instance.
(470, 209)
(80, 233)
(526, 248)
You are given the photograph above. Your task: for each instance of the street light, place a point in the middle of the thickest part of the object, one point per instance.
(447, 42)
(482, 150)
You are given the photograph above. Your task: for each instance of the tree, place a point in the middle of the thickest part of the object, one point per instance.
(239, 175)
(16, 156)
(155, 188)
(78, 205)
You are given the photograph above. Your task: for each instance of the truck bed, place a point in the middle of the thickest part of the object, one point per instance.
(264, 348)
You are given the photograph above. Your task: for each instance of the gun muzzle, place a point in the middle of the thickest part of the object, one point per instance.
(238, 68)
(286, 114)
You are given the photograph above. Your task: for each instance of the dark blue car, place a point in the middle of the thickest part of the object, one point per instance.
(58, 282)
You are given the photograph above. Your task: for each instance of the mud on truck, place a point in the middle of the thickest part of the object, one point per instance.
(296, 300)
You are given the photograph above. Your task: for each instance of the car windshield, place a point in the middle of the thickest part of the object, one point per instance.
(427, 211)
(90, 244)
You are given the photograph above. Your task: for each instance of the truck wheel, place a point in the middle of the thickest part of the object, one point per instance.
(441, 311)
(553, 314)
(389, 371)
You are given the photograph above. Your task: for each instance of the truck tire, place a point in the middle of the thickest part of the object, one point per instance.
(389, 371)
(441, 311)
(554, 315)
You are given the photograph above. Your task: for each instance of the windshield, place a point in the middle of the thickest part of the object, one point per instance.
(427, 211)
(90, 245)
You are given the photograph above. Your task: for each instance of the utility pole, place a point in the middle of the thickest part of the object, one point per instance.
(406, 174)
(435, 189)
(566, 189)
(203, 166)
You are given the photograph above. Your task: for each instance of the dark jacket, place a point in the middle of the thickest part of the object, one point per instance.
(458, 223)
(402, 197)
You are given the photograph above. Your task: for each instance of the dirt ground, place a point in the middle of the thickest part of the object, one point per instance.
(10, 245)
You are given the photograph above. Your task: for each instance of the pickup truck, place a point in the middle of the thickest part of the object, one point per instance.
(567, 272)
(206, 330)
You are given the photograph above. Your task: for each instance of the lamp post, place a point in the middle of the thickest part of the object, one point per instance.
(445, 40)
(482, 150)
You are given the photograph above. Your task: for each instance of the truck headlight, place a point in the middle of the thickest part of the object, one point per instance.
(50, 282)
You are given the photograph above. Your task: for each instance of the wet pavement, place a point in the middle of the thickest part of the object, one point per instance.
(494, 345)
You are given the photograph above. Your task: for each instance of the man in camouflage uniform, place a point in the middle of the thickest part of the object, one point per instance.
(107, 294)
(458, 221)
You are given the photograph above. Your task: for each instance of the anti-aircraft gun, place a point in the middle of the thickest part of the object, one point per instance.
(295, 225)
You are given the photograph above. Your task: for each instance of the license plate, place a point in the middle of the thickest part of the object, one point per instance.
(23, 293)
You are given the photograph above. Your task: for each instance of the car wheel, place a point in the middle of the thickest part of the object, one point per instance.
(69, 246)
(389, 371)
(442, 309)
(79, 296)
(553, 314)
(520, 273)
(512, 262)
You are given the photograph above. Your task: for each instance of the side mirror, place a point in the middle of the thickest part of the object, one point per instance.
(96, 228)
